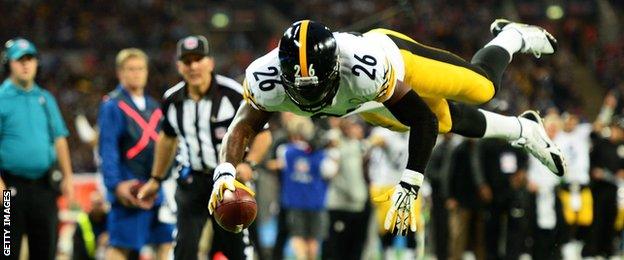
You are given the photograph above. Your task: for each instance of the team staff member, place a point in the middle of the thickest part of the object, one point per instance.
(197, 113)
(32, 140)
(129, 120)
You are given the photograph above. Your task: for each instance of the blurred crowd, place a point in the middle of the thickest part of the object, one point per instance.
(79, 40)
(509, 207)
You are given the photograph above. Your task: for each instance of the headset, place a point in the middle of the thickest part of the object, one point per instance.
(4, 60)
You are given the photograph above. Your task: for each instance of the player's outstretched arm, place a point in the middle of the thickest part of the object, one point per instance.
(246, 124)
(412, 111)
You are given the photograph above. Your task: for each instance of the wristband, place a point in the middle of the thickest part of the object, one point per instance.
(224, 169)
(412, 177)
(157, 179)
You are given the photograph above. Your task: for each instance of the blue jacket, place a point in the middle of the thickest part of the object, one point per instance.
(127, 137)
(30, 122)
(303, 187)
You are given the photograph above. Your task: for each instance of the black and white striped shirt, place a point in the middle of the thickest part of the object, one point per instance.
(201, 125)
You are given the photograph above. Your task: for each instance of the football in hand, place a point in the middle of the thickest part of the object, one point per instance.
(236, 211)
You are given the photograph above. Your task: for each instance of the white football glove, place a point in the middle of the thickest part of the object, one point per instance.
(224, 178)
(401, 216)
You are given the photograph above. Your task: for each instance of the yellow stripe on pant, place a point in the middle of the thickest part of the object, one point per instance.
(437, 81)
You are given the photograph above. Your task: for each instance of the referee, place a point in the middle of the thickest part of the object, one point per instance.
(197, 113)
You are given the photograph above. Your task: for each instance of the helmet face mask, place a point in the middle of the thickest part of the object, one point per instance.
(312, 94)
(310, 67)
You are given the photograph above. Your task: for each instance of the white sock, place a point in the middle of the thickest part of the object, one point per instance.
(510, 40)
(500, 126)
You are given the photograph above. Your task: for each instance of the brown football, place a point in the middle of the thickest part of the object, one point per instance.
(236, 211)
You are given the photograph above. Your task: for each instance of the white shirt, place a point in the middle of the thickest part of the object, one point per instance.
(370, 65)
(387, 163)
(575, 146)
(139, 102)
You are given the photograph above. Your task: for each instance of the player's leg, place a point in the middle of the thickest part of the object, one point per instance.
(524, 131)
(316, 231)
(41, 220)
(433, 72)
(312, 247)
(160, 235)
(124, 240)
(436, 73)
(299, 247)
(298, 226)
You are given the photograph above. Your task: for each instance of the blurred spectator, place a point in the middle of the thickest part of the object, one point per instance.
(347, 196)
(547, 219)
(280, 137)
(503, 168)
(130, 120)
(75, 68)
(32, 143)
(387, 160)
(574, 141)
(304, 187)
(91, 236)
(613, 104)
(438, 173)
(466, 220)
(607, 166)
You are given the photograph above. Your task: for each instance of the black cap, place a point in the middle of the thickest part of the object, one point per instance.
(194, 44)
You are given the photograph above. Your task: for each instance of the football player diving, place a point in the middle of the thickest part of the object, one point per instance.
(424, 90)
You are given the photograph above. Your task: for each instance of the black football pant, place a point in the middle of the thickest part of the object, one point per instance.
(34, 213)
(192, 196)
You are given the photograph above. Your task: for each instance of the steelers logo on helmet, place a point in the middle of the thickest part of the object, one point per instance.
(308, 57)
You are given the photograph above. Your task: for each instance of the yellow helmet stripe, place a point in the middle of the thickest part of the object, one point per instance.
(303, 35)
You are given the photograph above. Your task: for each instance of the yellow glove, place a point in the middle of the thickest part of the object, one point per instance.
(224, 179)
(402, 215)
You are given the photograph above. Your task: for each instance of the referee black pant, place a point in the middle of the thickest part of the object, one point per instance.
(192, 196)
(34, 213)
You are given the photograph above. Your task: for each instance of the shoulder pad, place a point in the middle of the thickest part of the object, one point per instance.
(263, 87)
(370, 73)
